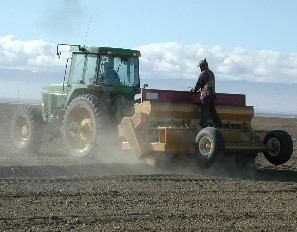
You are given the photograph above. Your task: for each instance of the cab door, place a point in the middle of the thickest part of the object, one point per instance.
(83, 71)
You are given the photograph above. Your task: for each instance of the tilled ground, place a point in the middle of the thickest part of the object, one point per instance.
(50, 192)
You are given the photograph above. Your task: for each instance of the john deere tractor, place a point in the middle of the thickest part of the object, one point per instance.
(99, 91)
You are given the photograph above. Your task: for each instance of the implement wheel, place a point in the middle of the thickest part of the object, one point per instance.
(82, 126)
(280, 147)
(210, 145)
(26, 129)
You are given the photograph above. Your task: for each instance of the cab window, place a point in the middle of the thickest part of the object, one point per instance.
(91, 65)
(83, 69)
(77, 68)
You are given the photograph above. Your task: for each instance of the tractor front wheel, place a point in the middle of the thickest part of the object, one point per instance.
(210, 145)
(26, 129)
(280, 147)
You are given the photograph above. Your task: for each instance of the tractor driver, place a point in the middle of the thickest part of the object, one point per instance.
(109, 76)
(206, 86)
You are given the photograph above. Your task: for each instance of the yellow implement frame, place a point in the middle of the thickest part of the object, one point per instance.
(160, 127)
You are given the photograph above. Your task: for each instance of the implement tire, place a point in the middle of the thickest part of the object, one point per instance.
(83, 125)
(280, 147)
(210, 145)
(27, 129)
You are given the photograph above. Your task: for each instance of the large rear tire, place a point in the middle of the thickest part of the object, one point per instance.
(280, 147)
(83, 125)
(26, 129)
(210, 145)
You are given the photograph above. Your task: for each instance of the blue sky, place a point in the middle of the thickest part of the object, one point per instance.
(251, 24)
(250, 41)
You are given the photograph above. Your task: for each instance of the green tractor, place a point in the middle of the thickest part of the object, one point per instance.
(100, 91)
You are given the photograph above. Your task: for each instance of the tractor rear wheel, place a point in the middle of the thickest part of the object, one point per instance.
(83, 125)
(210, 145)
(26, 129)
(280, 147)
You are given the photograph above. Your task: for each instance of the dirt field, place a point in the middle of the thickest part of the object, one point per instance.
(50, 192)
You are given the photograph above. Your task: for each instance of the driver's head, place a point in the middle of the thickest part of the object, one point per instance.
(203, 64)
(108, 65)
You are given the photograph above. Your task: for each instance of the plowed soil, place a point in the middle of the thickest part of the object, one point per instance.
(49, 191)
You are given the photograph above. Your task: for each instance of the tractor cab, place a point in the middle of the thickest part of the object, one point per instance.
(104, 66)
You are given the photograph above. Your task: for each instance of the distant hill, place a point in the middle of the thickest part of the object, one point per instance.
(24, 84)
(15, 75)
(267, 98)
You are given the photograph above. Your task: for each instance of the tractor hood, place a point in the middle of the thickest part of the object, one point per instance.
(57, 89)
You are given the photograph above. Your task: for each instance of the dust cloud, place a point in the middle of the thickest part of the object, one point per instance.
(52, 160)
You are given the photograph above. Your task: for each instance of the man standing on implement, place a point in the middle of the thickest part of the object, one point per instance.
(206, 86)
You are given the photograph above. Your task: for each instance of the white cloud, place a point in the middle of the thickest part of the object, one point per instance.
(166, 60)
(173, 60)
(34, 55)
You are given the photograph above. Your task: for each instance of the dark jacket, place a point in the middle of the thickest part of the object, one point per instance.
(206, 83)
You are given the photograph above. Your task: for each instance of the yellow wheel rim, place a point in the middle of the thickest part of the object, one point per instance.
(205, 145)
(22, 130)
(80, 129)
